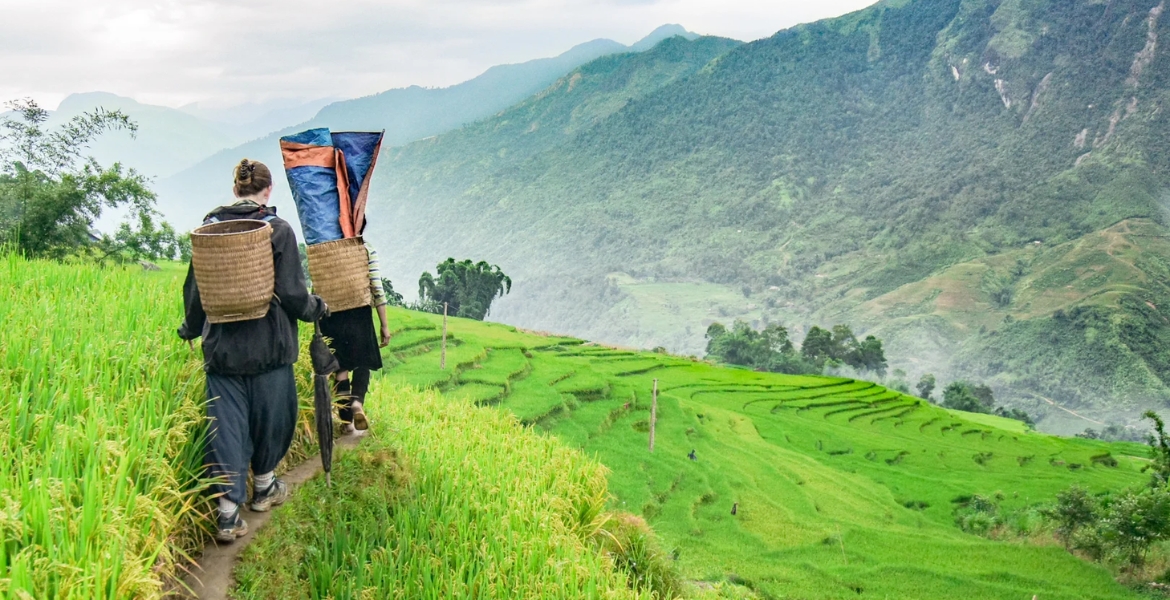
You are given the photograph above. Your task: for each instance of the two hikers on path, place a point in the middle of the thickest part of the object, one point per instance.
(252, 399)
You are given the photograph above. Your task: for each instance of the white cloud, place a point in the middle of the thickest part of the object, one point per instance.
(224, 52)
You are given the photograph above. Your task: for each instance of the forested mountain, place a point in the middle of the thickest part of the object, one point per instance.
(982, 183)
(407, 114)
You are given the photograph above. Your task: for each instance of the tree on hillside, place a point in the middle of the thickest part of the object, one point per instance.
(843, 345)
(840, 346)
(467, 288)
(817, 346)
(961, 395)
(393, 298)
(898, 382)
(870, 356)
(768, 349)
(978, 398)
(925, 387)
(1075, 509)
(1159, 450)
(1015, 414)
(50, 193)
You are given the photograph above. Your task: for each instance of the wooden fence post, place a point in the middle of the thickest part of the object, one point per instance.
(443, 349)
(653, 413)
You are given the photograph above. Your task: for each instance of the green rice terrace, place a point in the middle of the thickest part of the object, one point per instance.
(799, 487)
(842, 488)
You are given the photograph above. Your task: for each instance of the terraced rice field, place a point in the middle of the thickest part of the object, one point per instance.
(842, 488)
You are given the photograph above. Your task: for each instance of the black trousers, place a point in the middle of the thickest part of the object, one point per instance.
(252, 421)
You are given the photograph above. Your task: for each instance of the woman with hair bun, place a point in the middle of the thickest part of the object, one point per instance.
(252, 397)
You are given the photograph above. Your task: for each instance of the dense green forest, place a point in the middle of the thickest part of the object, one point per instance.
(981, 184)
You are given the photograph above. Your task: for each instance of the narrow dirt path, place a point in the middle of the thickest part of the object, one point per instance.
(211, 576)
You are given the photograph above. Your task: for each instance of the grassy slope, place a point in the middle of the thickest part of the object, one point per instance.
(441, 500)
(823, 470)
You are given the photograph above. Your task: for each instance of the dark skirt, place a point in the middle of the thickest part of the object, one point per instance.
(353, 338)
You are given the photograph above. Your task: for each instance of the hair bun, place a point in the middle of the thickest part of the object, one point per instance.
(244, 172)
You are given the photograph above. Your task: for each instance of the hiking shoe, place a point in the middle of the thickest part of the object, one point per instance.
(360, 422)
(275, 495)
(230, 527)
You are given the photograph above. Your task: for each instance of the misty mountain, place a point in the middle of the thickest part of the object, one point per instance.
(168, 140)
(251, 120)
(406, 114)
(983, 184)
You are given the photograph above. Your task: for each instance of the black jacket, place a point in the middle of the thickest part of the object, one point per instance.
(259, 345)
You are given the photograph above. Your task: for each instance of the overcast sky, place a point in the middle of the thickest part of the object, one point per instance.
(225, 52)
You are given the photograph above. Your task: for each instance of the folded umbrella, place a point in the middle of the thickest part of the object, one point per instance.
(324, 364)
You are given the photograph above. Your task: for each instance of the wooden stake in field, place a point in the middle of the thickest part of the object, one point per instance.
(653, 413)
(443, 348)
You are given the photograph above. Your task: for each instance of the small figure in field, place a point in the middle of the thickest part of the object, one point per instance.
(692, 455)
(252, 398)
(735, 508)
(356, 345)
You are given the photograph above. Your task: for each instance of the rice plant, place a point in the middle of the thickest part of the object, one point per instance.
(803, 459)
(444, 500)
(100, 415)
(101, 424)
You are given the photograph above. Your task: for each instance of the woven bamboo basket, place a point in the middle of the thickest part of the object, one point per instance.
(233, 269)
(341, 273)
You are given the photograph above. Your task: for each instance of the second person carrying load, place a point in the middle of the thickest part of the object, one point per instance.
(329, 175)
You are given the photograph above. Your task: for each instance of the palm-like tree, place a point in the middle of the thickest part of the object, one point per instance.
(468, 288)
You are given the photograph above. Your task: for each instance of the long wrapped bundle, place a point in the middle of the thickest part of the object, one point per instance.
(329, 174)
(358, 151)
(310, 161)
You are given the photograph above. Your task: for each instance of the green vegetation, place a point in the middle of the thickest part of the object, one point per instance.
(771, 350)
(444, 500)
(393, 298)
(465, 288)
(1123, 526)
(101, 494)
(767, 168)
(100, 412)
(50, 193)
(925, 387)
(839, 484)
(101, 417)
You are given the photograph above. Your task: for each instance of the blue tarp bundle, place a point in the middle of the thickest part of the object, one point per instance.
(316, 162)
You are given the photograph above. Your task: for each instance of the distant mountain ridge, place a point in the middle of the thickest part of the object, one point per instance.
(407, 114)
(168, 140)
(983, 184)
(252, 120)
